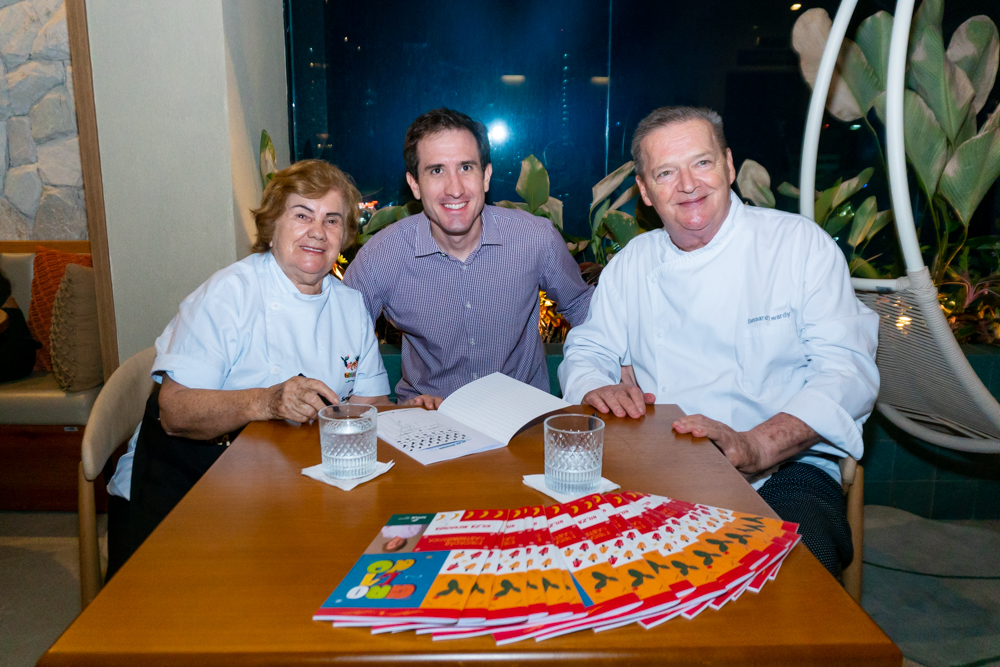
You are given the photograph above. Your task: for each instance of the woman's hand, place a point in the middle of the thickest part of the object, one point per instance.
(425, 401)
(297, 399)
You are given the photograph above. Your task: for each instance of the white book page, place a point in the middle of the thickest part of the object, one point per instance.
(429, 436)
(499, 406)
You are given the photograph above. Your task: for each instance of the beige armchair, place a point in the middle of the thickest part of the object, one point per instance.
(116, 412)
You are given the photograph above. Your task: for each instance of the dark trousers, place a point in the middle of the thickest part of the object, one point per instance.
(806, 495)
(163, 471)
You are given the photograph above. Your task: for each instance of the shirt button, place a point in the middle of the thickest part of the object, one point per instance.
(659, 334)
(472, 341)
(468, 305)
(274, 306)
(475, 376)
(663, 390)
(275, 370)
(464, 267)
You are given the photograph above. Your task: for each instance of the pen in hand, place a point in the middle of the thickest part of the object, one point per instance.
(321, 396)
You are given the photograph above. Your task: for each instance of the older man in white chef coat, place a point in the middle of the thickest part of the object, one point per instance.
(744, 317)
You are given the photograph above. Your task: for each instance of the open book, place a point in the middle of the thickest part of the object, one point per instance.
(480, 416)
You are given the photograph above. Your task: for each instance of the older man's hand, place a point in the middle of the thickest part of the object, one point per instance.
(741, 448)
(298, 399)
(620, 399)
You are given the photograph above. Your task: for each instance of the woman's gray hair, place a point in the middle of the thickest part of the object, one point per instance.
(669, 116)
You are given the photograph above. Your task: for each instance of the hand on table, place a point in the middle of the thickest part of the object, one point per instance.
(620, 399)
(740, 448)
(298, 399)
(425, 401)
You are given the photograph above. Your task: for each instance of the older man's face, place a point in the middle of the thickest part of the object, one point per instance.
(686, 178)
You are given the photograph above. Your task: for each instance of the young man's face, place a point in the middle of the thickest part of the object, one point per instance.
(451, 182)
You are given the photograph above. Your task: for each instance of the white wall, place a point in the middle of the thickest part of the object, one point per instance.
(258, 100)
(177, 170)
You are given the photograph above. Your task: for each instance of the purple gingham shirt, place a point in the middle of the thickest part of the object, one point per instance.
(464, 320)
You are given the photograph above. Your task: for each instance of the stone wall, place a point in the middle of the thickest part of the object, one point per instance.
(39, 148)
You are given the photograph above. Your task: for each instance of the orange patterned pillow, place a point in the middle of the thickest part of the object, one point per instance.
(50, 266)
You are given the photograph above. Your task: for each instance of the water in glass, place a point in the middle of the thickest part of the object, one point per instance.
(574, 452)
(348, 440)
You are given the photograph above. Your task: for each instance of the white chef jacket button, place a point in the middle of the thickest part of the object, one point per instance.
(275, 370)
(659, 334)
(663, 390)
(274, 306)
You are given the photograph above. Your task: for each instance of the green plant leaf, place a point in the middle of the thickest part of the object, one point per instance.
(925, 142)
(873, 37)
(864, 219)
(553, 210)
(646, 216)
(383, 217)
(599, 217)
(941, 84)
(755, 184)
(836, 223)
(519, 205)
(788, 190)
(809, 36)
(625, 197)
(928, 15)
(847, 189)
(824, 202)
(970, 172)
(882, 218)
(622, 226)
(268, 160)
(862, 269)
(576, 246)
(975, 48)
(992, 121)
(609, 184)
(533, 183)
(858, 75)
(409, 208)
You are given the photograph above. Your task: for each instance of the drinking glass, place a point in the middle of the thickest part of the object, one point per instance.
(348, 440)
(574, 451)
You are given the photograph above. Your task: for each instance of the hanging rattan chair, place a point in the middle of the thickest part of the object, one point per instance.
(928, 389)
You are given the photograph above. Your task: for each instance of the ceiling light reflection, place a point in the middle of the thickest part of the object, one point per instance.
(498, 132)
(512, 79)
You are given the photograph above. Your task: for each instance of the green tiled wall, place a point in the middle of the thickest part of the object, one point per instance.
(900, 471)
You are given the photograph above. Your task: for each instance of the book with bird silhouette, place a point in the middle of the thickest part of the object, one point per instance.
(596, 563)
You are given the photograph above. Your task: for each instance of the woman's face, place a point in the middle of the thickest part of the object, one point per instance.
(308, 237)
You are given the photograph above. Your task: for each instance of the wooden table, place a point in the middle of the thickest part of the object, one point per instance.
(234, 573)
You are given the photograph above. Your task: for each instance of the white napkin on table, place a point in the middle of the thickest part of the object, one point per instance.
(537, 482)
(316, 472)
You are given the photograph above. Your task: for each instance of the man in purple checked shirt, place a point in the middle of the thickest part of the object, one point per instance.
(461, 279)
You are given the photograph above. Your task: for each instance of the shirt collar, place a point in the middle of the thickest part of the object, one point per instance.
(284, 284)
(424, 244)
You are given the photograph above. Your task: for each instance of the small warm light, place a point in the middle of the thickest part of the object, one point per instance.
(902, 321)
(600, 80)
(512, 79)
(345, 39)
(796, 7)
(856, 126)
(498, 132)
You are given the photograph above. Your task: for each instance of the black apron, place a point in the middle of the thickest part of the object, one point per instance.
(164, 469)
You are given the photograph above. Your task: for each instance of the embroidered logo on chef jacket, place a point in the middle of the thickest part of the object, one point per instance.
(350, 367)
(774, 317)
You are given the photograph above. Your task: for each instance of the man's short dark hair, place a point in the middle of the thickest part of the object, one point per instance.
(439, 120)
(669, 116)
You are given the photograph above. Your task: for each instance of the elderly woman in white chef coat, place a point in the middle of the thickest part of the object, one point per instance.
(269, 337)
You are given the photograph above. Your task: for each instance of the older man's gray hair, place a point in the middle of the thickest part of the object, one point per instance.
(668, 116)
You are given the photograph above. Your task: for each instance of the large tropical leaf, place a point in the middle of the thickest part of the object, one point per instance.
(519, 205)
(383, 217)
(873, 37)
(409, 208)
(553, 210)
(862, 269)
(839, 219)
(268, 160)
(595, 224)
(809, 37)
(975, 48)
(882, 218)
(622, 226)
(626, 196)
(609, 184)
(925, 142)
(533, 183)
(646, 216)
(928, 15)
(864, 219)
(824, 202)
(992, 122)
(755, 184)
(942, 85)
(858, 75)
(970, 172)
(848, 189)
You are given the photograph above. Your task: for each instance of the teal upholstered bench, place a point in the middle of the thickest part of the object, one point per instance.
(390, 357)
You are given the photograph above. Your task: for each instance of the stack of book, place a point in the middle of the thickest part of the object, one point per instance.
(597, 563)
